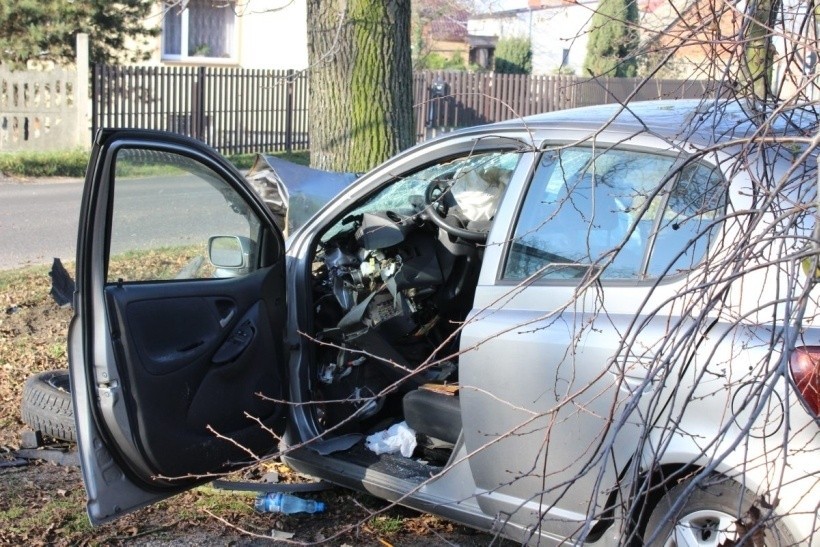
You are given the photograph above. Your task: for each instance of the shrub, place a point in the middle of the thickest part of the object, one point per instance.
(437, 61)
(613, 40)
(513, 56)
(44, 164)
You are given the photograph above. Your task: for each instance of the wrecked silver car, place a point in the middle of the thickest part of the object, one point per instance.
(600, 327)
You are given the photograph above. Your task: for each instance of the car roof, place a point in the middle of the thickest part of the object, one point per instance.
(699, 122)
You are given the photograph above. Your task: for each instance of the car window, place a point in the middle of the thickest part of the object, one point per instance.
(688, 222)
(587, 207)
(166, 208)
(477, 179)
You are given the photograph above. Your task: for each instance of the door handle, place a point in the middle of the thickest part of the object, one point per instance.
(632, 374)
(237, 342)
(226, 310)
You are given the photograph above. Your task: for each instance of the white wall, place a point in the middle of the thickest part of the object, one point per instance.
(494, 6)
(273, 34)
(54, 112)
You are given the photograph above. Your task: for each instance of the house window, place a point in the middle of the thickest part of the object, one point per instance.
(564, 57)
(199, 28)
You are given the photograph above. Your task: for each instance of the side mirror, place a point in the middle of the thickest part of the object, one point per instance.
(229, 252)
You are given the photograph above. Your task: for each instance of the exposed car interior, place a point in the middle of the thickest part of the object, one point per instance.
(392, 282)
(395, 277)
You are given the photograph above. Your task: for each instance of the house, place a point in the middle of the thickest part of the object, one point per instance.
(694, 39)
(557, 30)
(439, 28)
(702, 40)
(269, 34)
(446, 35)
(796, 73)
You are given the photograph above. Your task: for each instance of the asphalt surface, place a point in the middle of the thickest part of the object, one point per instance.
(38, 221)
(40, 218)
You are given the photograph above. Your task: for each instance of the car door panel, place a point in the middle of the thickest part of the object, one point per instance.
(548, 409)
(170, 333)
(559, 356)
(182, 399)
(177, 367)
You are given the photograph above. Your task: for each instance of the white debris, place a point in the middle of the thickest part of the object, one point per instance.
(399, 438)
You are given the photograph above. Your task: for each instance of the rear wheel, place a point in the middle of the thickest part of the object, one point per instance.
(715, 513)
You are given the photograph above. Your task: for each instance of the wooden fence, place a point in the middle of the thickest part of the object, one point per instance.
(242, 110)
(449, 100)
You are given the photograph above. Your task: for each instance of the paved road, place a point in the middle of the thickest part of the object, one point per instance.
(38, 221)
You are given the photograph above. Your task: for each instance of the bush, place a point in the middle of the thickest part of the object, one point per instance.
(613, 40)
(44, 164)
(513, 56)
(437, 61)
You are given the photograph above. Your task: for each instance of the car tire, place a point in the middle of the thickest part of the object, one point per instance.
(46, 405)
(708, 517)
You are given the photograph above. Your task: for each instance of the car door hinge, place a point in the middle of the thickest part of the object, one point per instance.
(107, 394)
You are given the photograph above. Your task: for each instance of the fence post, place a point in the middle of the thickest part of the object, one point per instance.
(96, 94)
(198, 108)
(81, 92)
(289, 113)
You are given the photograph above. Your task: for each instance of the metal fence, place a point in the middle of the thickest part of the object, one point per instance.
(242, 110)
(234, 110)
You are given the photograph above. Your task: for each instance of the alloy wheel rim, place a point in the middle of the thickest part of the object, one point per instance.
(703, 529)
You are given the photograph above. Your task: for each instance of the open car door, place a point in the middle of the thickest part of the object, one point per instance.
(176, 361)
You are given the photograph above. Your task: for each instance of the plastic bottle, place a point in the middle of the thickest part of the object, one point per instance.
(277, 502)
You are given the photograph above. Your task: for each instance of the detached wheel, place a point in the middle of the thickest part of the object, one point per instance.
(47, 407)
(709, 518)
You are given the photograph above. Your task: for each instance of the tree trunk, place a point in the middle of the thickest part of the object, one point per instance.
(759, 53)
(361, 110)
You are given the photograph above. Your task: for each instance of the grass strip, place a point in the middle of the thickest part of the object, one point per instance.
(72, 163)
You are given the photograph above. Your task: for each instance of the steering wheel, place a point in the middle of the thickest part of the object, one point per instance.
(439, 199)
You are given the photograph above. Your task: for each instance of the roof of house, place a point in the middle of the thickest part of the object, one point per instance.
(452, 27)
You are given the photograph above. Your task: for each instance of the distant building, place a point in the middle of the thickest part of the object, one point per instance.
(693, 39)
(701, 39)
(446, 35)
(557, 30)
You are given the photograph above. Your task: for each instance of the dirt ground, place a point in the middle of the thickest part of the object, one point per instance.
(42, 503)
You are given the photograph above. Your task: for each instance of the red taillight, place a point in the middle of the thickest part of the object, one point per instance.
(805, 366)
